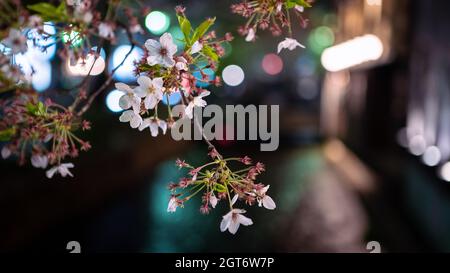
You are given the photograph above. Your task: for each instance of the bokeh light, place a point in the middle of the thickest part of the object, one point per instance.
(233, 75)
(306, 66)
(320, 39)
(352, 53)
(417, 145)
(177, 37)
(174, 99)
(35, 48)
(102, 52)
(432, 156)
(38, 72)
(157, 22)
(112, 100)
(272, 64)
(445, 172)
(210, 76)
(83, 67)
(125, 72)
(74, 37)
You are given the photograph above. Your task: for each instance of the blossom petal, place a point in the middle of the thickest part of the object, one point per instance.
(225, 223)
(126, 116)
(163, 126)
(234, 225)
(140, 91)
(166, 41)
(196, 47)
(150, 101)
(135, 121)
(268, 202)
(123, 87)
(6, 152)
(154, 129)
(204, 94)
(244, 220)
(235, 198)
(168, 61)
(158, 83)
(189, 110)
(154, 59)
(152, 46)
(144, 82)
(250, 36)
(213, 200)
(145, 123)
(50, 173)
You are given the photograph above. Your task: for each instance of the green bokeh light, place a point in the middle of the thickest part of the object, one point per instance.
(73, 37)
(320, 39)
(157, 22)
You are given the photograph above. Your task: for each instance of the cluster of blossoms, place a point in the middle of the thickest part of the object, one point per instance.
(15, 26)
(163, 72)
(46, 130)
(79, 26)
(38, 130)
(274, 15)
(216, 181)
(34, 127)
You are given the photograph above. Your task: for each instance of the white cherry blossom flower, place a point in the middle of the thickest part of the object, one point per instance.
(39, 161)
(87, 17)
(129, 99)
(251, 35)
(12, 72)
(16, 41)
(196, 102)
(62, 169)
(106, 31)
(35, 21)
(161, 52)
(6, 152)
(154, 124)
(290, 44)
(151, 90)
(196, 47)
(132, 117)
(233, 219)
(265, 200)
(279, 6)
(181, 64)
(173, 204)
(300, 8)
(213, 200)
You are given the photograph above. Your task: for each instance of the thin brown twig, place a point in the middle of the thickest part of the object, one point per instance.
(104, 85)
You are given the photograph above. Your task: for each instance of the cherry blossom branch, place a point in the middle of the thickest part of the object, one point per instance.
(104, 85)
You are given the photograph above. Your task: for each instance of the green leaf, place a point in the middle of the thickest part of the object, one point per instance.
(220, 188)
(31, 108)
(201, 30)
(37, 110)
(62, 8)
(185, 27)
(5, 135)
(48, 12)
(292, 3)
(209, 51)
